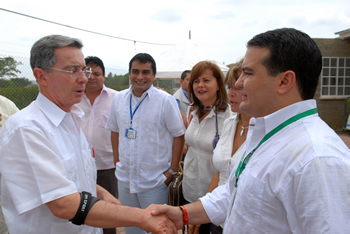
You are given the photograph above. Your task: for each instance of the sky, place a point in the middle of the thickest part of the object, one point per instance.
(221, 28)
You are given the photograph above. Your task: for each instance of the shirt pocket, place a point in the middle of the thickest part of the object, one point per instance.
(249, 200)
(103, 118)
(70, 165)
(90, 166)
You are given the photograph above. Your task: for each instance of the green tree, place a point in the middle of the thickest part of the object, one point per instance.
(8, 67)
(20, 82)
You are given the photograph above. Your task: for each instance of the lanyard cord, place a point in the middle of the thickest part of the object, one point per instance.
(133, 113)
(243, 163)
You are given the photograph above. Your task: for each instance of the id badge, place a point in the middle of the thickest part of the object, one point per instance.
(130, 133)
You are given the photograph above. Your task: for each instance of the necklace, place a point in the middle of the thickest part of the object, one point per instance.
(207, 108)
(243, 128)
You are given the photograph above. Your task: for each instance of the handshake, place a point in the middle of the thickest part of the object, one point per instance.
(163, 219)
(169, 219)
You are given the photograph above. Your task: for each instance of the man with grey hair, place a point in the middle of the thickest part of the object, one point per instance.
(47, 166)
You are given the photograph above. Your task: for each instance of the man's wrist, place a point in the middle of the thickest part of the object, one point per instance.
(172, 172)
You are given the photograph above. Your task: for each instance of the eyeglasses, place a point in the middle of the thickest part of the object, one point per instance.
(75, 71)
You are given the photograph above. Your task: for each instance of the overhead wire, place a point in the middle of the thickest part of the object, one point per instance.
(68, 26)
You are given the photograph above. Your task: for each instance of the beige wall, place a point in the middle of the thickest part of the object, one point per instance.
(332, 110)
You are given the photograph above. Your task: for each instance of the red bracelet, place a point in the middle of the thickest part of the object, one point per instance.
(184, 211)
(116, 162)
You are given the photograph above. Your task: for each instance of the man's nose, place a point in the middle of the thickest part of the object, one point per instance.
(239, 82)
(82, 78)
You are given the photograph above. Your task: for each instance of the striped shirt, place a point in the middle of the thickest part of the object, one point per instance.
(7, 108)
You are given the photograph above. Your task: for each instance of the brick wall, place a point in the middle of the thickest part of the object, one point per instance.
(332, 110)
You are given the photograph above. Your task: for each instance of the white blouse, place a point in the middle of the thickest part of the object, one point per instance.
(222, 159)
(198, 166)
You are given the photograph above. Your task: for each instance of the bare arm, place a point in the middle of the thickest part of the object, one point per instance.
(178, 145)
(214, 182)
(115, 145)
(106, 196)
(108, 215)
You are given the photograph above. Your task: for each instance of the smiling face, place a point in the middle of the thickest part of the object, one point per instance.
(141, 77)
(60, 87)
(259, 96)
(234, 96)
(205, 88)
(96, 80)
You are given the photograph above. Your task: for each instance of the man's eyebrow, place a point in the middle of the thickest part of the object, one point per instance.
(247, 69)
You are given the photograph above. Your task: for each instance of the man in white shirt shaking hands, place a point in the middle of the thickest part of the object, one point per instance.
(294, 176)
(47, 166)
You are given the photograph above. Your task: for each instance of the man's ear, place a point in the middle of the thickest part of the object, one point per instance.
(181, 81)
(40, 76)
(287, 81)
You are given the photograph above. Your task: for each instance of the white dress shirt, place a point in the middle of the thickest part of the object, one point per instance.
(198, 166)
(298, 181)
(222, 159)
(157, 121)
(94, 126)
(184, 102)
(44, 156)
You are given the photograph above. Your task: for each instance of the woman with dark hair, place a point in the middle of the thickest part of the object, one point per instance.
(209, 108)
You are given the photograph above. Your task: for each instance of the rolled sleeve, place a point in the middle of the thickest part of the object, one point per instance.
(216, 204)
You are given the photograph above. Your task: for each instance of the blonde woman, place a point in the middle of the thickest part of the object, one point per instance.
(233, 137)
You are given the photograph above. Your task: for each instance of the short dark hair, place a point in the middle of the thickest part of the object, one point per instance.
(96, 61)
(42, 53)
(184, 74)
(144, 58)
(293, 50)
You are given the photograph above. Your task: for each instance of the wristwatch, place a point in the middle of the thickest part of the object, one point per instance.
(172, 172)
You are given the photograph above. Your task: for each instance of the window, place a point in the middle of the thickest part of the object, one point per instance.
(335, 75)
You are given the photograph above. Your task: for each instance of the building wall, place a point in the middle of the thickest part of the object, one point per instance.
(332, 110)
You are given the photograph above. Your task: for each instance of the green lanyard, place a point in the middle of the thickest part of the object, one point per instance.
(244, 161)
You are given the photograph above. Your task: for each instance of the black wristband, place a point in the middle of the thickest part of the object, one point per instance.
(86, 202)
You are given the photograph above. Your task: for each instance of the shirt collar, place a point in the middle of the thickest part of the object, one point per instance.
(186, 94)
(103, 90)
(278, 117)
(212, 112)
(149, 91)
(53, 112)
(259, 127)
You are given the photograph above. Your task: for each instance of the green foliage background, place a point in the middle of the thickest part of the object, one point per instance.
(22, 91)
